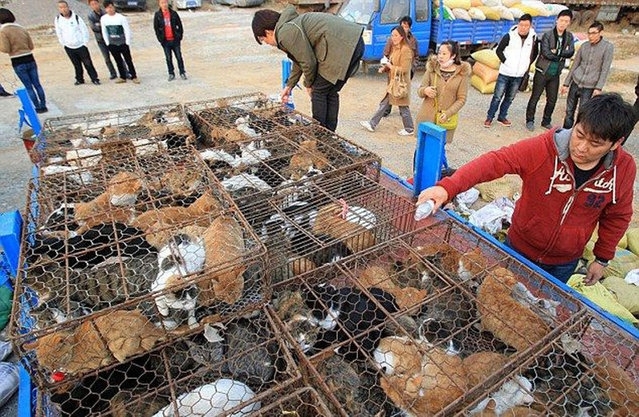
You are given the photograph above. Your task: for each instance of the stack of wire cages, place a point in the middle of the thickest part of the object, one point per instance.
(320, 222)
(434, 322)
(234, 119)
(146, 250)
(70, 138)
(234, 367)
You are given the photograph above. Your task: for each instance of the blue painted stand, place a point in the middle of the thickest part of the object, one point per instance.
(27, 114)
(429, 156)
(286, 72)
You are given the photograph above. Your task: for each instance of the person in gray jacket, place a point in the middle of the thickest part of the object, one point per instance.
(588, 73)
(324, 47)
(94, 20)
(556, 46)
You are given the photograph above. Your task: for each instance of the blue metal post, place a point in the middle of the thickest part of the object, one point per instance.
(287, 65)
(27, 113)
(428, 156)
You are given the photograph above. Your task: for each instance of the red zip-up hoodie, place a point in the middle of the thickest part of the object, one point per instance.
(553, 220)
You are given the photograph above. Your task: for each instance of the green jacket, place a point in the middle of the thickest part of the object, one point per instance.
(317, 43)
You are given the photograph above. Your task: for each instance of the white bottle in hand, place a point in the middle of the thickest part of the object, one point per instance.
(424, 210)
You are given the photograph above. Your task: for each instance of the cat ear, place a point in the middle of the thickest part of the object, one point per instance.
(491, 405)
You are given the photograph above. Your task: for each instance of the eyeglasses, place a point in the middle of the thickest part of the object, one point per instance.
(594, 33)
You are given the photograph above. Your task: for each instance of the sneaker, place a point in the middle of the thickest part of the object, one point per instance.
(488, 123)
(530, 126)
(504, 122)
(78, 82)
(546, 126)
(171, 77)
(120, 80)
(404, 132)
(113, 77)
(135, 80)
(367, 125)
(96, 82)
(42, 110)
(183, 76)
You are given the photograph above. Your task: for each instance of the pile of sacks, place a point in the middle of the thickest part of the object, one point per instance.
(485, 70)
(495, 9)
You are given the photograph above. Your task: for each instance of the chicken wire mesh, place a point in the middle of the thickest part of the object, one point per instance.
(145, 128)
(160, 241)
(231, 367)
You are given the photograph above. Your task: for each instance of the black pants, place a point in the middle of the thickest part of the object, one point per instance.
(122, 55)
(107, 58)
(79, 57)
(325, 95)
(173, 47)
(576, 95)
(541, 82)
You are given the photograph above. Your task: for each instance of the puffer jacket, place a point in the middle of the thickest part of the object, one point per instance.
(317, 43)
(553, 220)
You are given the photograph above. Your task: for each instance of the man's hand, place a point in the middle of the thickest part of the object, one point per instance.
(286, 92)
(595, 272)
(436, 193)
(563, 90)
(596, 92)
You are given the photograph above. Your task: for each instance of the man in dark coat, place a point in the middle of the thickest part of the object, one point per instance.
(94, 21)
(169, 31)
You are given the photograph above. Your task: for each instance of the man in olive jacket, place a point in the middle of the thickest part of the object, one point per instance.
(325, 48)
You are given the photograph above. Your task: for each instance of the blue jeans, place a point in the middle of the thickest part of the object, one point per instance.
(173, 47)
(562, 271)
(28, 74)
(506, 88)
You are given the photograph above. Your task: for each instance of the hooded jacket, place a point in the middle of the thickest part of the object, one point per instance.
(515, 55)
(317, 43)
(553, 220)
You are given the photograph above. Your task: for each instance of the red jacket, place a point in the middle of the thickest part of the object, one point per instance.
(553, 221)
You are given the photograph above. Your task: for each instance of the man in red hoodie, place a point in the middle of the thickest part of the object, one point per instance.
(573, 180)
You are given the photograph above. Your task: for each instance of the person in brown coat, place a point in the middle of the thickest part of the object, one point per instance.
(400, 61)
(445, 81)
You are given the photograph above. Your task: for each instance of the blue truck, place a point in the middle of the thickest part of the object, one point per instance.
(380, 16)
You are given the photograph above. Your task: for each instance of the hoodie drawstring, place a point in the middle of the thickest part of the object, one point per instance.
(552, 178)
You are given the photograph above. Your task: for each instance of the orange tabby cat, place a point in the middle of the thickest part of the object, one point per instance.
(330, 222)
(481, 365)
(304, 159)
(376, 276)
(623, 391)
(461, 265)
(511, 322)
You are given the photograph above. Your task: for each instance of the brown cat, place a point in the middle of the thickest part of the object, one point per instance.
(623, 391)
(463, 266)
(224, 244)
(511, 322)
(377, 276)
(306, 158)
(481, 365)
(330, 222)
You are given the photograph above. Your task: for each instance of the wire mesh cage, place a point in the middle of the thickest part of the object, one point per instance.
(161, 241)
(302, 402)
(231, 119)
(145, 128)
(231, 367)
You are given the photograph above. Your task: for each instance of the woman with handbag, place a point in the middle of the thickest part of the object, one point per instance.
(398, 68)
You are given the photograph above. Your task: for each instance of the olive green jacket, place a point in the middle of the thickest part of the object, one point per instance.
(317, 43)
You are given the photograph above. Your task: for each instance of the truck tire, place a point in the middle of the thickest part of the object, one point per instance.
(588, 17)
(576, 19)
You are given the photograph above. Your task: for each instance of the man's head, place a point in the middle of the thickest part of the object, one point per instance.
(563, 20)
(263, 26)
(63, 8)
(164, 5)
(109, 7)
(6, 16)
(523, 26)
(406, 22)
(595, 32)
(94, 5)
(602, 124)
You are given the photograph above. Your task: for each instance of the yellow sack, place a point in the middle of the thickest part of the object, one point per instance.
(488, 57)
(481, 86)
(510, 3)
(632, 239)
(533, 11)
(490, 13)
(476, 13)
(599, 295)
(454, 4)
(623, 262)
(626, 294)
(588, 251)
(505, 186)
(486, 73)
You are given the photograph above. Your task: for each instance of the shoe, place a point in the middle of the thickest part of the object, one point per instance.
(171, 77)
(367, 125)
(546, 126)
(120, 81)
(113, 77)
(404, 132)
(447, 172)
(96, 82)
(504, 122)
(530, 126)
(5, 94)
(78, 83)
(42, 110)
(129, 76)
(488, 123)
(183, 76)
(135, 80)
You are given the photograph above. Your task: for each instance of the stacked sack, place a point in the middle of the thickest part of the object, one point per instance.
(495, 9)
(485, 70)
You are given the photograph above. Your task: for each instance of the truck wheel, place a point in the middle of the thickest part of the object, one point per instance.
(576, 19)
(588, 17)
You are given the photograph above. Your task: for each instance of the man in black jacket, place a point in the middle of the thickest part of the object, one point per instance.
(557, 45)
(169, 31)
(94, 21)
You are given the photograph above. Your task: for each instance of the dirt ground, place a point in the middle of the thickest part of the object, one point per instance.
(223, 59)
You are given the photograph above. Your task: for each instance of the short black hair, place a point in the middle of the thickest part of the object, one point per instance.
(565, 12)
(107, 3)
(264, 20)
(406, 19)
(596, 25)
(526, 16)
(607, 116)
(6, 16)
